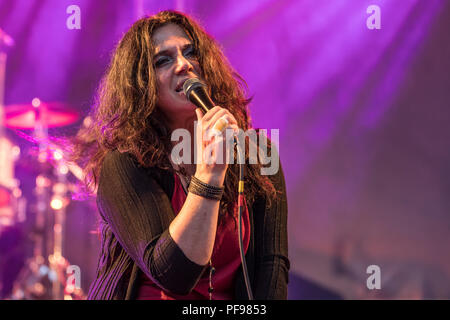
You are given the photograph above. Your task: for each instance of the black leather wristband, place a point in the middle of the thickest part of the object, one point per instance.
(205, 190)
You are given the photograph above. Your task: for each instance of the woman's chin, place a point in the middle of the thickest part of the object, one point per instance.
(187, 105)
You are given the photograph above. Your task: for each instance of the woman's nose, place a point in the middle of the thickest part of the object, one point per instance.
(183, 65)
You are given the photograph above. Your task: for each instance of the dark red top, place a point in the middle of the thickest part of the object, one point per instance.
(225, 258)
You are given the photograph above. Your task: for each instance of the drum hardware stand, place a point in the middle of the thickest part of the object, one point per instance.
(35, 278)
(58, 203)
(40, 278)
(46, 278)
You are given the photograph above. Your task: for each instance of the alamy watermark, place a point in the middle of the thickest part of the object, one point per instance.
(73, 277)
(374, 280)
(74, 20)
(214, 152)
(374, 20)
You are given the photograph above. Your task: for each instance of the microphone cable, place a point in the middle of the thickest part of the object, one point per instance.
(241, 198)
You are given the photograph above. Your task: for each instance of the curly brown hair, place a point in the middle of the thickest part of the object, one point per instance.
(125, 115)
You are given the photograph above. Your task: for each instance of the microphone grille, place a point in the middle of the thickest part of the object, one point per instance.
(190, 84)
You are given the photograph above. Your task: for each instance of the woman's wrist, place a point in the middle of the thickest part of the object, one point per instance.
(205, 190)
(212, 179)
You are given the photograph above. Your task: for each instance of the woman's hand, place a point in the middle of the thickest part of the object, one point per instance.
(211, 145)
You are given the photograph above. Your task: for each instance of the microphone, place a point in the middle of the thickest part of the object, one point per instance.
(195, 91)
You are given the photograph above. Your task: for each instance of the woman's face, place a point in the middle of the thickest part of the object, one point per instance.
(175, 61)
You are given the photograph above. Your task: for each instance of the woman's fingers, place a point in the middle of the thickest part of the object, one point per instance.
(223, 113)
(219, 120)
(216, 113)
(214, 134)
(199, 114)
(220, 125)
(208, 115)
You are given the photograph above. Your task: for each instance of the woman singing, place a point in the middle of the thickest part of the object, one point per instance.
(169, 229)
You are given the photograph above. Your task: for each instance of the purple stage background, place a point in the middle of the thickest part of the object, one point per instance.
(363, 118)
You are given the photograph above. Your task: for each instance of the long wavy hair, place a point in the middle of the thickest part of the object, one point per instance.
(126, 117)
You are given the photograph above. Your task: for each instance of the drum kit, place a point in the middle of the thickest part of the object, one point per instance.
(44, 275)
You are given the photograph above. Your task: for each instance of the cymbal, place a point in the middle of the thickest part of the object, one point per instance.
(52, 114)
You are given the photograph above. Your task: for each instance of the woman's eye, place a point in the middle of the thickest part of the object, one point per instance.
(161, 62)
(190, 52)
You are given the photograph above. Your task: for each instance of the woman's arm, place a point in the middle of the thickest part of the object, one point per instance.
(139, 213)
(173, 251)
(194, 228)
